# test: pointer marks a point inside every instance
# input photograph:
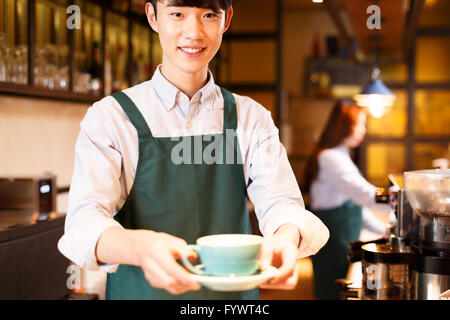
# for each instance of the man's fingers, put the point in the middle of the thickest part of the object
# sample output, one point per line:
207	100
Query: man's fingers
160	266
159	278
288	263
177	271
265	256
289	284
156	276
180	247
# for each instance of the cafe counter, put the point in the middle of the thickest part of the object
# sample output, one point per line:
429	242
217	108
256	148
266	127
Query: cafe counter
31	267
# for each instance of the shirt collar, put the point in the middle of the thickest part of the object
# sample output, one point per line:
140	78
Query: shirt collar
168	92
343	148
208	92
165	90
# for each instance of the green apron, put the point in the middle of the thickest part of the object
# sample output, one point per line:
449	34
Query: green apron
330	263
186	200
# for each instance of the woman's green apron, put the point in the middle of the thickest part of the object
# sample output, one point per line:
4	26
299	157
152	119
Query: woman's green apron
330	263
187	200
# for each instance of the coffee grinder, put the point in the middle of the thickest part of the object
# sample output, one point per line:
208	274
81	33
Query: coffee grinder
413	262
429	194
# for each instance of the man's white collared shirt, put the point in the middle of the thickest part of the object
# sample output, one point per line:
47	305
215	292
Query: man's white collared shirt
106	155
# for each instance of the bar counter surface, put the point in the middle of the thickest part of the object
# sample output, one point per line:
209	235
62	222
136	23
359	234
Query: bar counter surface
31	267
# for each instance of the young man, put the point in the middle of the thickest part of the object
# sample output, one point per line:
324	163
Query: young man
133	209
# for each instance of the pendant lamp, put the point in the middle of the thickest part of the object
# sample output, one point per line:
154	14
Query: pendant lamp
375	96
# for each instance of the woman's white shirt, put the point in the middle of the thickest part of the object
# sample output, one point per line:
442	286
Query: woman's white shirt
338	181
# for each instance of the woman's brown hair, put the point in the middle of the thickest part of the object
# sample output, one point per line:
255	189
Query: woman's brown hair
339	126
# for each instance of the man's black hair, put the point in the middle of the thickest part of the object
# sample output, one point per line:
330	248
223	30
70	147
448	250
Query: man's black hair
214	5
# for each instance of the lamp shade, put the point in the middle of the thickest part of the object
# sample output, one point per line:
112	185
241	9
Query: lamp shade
375	96
377	87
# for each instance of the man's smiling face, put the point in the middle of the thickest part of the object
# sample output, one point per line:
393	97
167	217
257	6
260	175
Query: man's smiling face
190	36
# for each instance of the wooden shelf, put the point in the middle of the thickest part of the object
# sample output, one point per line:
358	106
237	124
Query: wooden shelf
45	93
30	90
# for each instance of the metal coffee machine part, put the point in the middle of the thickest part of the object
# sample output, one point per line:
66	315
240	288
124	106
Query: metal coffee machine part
387	273
387	268
406	228
386	262
429	194
414	261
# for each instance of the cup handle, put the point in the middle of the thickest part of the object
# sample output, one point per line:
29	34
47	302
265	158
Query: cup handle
194	269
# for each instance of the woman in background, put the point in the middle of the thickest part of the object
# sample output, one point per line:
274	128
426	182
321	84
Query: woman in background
339	194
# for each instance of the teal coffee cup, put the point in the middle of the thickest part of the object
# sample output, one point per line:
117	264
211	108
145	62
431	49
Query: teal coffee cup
226	255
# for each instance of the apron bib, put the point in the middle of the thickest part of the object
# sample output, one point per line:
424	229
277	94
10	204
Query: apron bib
330	263
187	200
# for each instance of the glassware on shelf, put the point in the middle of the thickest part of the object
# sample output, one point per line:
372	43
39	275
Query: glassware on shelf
140	42
88	55
85	81
4	54
51	55
95	85
116	43
51	70
40	78
81	81
16	68
62	73
13	62
62	78
120	76
108	74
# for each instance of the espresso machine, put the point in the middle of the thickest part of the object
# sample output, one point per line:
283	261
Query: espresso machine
413	262
26	199
31	266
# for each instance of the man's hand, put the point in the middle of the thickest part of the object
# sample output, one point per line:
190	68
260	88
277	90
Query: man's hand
280	251
158	254
155	252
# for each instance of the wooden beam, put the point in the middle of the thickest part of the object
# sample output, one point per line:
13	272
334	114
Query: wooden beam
440	31
251	86
333	10
411	26
103	48
250	36
31	40
130	45
71	43
279	69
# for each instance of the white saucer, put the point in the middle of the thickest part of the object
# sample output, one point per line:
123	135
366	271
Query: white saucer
238	283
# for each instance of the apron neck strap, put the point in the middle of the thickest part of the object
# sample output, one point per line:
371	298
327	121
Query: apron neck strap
229	110
136	118
133	113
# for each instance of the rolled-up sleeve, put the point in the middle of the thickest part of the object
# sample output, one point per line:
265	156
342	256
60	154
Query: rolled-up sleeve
275	193
94	193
